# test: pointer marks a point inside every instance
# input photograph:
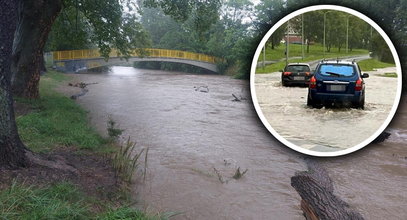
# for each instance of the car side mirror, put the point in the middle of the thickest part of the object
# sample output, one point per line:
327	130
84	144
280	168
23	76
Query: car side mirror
365	75
281	70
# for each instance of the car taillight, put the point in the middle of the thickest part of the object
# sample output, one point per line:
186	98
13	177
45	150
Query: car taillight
287	73
359	85
313	83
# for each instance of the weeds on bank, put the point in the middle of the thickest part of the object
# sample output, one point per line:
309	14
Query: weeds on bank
126	161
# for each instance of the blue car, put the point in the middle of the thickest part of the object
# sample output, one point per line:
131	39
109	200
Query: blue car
337	83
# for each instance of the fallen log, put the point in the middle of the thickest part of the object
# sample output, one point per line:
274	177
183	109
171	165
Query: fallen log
382	137
318	200
83	92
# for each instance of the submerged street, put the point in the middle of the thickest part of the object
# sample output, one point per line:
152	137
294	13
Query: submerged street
286	110
191	130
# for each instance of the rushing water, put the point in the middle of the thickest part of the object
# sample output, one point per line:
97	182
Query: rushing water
190	130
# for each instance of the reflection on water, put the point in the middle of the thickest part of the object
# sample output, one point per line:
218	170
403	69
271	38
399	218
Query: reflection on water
190	133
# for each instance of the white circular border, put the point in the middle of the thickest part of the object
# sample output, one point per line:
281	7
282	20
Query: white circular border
340	152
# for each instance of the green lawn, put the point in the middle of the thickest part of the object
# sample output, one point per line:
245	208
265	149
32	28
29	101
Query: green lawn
59	201
392	75
56	120
371	64
315	53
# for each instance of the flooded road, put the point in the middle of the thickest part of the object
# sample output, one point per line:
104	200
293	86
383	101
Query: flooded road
324	129
191	131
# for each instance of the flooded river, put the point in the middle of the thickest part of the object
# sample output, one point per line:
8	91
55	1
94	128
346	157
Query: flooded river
190	130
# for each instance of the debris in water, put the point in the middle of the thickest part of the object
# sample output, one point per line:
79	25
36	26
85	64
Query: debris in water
238	99
382	137
220	177
239	174
202	88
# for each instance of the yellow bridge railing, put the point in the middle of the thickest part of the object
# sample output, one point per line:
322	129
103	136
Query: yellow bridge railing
94	53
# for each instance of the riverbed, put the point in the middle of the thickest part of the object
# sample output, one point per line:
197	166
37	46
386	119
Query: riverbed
192	126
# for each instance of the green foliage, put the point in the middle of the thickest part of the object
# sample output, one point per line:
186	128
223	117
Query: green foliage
56	121
60	201
124	213
380	50
85	24
315	53
112	129
201	13
371	64
167	66
70	31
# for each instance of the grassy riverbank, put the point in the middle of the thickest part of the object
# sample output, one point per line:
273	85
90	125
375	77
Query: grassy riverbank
57	127
315	53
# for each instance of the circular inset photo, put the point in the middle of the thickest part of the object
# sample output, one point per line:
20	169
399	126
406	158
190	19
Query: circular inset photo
326	80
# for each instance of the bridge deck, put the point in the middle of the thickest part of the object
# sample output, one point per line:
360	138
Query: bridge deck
161	53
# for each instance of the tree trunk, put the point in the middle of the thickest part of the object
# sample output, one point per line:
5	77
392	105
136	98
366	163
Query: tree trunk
318	200
35	18
12	150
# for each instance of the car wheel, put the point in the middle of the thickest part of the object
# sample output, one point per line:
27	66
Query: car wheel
317	106
362	103
283	83
310	103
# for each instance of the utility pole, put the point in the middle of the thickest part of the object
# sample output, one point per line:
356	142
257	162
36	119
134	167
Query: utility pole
302	35
264	55
347	33
287	39
324	30
371	38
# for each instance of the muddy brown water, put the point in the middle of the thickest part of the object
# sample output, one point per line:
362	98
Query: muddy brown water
190	132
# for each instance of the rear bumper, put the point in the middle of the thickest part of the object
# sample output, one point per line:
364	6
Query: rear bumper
289	80
336	97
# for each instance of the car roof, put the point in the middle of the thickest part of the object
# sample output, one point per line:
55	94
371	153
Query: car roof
298	64
338	62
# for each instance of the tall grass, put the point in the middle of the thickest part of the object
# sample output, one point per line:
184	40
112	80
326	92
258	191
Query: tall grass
126	161
60	201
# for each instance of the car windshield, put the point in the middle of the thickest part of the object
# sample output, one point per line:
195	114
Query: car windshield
297	68
336	70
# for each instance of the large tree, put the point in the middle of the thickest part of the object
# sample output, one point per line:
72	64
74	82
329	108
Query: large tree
12	150
35	18
110	27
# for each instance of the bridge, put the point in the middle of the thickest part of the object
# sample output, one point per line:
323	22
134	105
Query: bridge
79	60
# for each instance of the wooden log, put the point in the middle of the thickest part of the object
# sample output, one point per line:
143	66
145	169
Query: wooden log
382	137
318	200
